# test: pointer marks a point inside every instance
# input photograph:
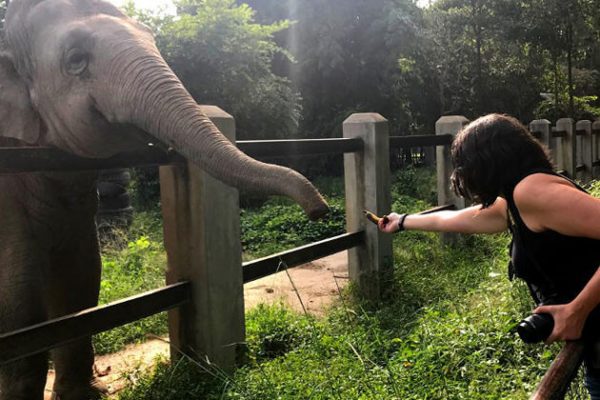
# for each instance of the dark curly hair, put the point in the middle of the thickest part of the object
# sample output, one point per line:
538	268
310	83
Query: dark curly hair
491	155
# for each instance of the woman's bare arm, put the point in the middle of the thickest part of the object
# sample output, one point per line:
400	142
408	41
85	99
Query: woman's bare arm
469	220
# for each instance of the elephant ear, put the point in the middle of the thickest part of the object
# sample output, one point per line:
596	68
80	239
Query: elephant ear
18	119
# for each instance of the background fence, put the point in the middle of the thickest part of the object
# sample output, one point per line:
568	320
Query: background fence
205	275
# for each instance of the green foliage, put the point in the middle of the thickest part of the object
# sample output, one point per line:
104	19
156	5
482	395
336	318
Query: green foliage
272	331
594	188
584	108
135	269
276	226
145	188
445	329
224	58
185	380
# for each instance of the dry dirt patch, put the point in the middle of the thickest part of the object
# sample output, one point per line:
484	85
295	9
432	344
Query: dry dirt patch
316	288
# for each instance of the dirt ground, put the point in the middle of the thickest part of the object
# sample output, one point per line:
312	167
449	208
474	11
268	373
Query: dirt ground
316	287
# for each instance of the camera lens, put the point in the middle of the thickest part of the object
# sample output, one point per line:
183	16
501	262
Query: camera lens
535	328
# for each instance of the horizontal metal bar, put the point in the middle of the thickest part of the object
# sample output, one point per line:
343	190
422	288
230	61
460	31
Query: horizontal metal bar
558	134
286	148
266	266
54	333
558	377
420	141
580	167
536	134
32	159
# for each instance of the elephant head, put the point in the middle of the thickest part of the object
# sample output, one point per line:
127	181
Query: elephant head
82	76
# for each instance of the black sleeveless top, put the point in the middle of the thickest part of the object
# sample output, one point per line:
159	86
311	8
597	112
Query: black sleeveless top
556	267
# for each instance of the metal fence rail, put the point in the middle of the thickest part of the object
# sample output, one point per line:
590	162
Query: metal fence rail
266	266
56	332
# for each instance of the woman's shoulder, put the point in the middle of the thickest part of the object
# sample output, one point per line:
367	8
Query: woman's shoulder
540	187
552	202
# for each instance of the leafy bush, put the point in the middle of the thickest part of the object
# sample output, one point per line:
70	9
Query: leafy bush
135	269
278	225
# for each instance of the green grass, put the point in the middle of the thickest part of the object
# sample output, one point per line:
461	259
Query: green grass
136	268
444	329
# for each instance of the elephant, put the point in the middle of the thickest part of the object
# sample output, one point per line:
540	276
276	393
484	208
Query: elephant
81	76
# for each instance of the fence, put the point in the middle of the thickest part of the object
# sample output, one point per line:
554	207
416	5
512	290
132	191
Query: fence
205	275
575	145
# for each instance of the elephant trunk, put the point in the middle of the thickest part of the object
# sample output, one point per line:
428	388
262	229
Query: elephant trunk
156	101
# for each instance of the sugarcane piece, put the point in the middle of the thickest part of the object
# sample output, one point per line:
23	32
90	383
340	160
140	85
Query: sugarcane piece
374	218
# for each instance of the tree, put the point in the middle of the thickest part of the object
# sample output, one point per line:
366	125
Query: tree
224	58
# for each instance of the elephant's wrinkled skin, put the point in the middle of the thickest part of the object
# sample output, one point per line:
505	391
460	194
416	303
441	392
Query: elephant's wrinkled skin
81	76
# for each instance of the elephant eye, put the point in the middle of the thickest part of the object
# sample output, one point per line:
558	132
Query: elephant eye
76	61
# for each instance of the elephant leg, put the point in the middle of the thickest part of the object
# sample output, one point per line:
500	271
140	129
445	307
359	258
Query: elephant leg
75	284
21	305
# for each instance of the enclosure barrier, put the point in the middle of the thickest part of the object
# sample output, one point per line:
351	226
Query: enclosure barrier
201	223
205	282
575	146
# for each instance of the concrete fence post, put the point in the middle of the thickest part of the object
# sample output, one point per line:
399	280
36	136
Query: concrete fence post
451	124
542	127
202	239
596	147
586	150
367	180
569	146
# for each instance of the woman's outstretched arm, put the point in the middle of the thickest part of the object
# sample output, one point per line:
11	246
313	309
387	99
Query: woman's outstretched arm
469	220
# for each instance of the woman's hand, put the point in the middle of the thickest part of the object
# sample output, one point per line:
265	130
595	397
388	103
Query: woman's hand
568	321
389	223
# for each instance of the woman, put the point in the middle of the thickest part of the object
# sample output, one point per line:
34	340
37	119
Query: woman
555	225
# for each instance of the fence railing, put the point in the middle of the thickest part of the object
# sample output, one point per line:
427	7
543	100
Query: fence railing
205	275
205	284
575	146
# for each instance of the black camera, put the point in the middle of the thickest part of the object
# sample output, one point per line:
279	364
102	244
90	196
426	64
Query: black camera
535	328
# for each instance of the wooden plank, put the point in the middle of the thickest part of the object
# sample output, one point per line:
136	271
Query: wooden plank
421	140
32	159
54	333
557	379
275	148
266	266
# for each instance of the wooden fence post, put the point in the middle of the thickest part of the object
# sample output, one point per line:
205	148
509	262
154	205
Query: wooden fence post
451	124
542	128
202	239
585	150
367	180
569	146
